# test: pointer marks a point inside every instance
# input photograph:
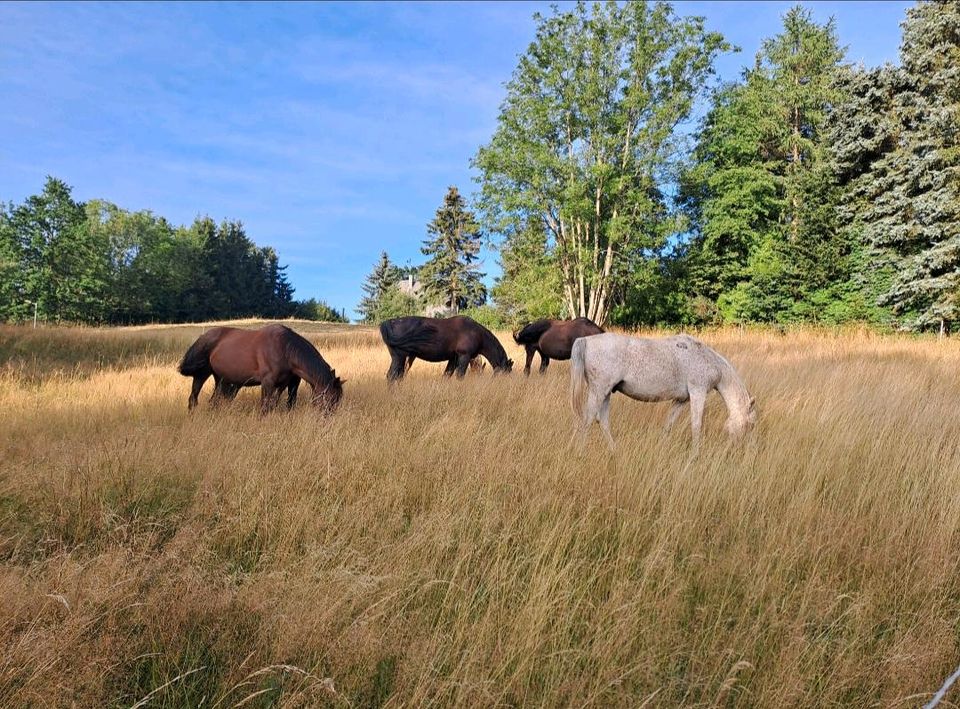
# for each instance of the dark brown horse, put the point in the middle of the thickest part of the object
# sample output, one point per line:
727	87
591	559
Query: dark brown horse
274	358
553	339
455	340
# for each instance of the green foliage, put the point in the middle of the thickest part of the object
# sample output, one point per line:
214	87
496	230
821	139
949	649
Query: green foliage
529	287
910	193
490	317
312	309
760	193
586	128
395	303
97	263
61	267
451	274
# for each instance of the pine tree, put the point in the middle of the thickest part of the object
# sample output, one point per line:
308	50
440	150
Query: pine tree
451	272
861	132
914	189
382	278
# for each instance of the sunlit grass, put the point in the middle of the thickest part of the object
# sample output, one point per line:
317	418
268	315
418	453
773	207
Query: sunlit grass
437	542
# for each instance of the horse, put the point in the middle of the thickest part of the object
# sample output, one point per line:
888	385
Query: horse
553	339
273	357
456	341
680	369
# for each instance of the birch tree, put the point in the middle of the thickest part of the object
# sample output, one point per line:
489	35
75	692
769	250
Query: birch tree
586	133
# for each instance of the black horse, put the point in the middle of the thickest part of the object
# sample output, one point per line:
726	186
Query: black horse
553	339
455	340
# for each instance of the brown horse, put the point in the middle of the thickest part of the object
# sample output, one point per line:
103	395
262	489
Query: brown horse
553	339
274	357
455	340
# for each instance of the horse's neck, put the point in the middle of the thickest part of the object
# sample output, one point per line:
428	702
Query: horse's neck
733	390
493	350
312	373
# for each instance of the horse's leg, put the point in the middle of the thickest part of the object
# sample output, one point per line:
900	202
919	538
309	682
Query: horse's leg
451	366
530	350
410	359
590	413
544	363
698	400
604	418
292	392
221	391
463	361
198	382
269	393
674	414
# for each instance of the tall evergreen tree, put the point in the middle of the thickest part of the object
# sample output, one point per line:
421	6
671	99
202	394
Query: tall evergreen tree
451	273
761	193
63	270
861	131
381	279
914	207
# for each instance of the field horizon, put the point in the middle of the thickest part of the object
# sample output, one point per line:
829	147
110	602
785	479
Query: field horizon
437	542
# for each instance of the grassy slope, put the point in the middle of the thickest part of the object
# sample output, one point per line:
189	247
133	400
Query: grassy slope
436	542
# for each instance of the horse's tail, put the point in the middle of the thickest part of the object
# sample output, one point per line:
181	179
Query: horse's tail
579	385
529	334
197	359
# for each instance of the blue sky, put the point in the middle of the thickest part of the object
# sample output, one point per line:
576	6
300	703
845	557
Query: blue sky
330	130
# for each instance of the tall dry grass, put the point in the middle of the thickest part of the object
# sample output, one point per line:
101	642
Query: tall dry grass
437	543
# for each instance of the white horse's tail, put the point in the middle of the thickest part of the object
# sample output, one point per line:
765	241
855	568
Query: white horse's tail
579	386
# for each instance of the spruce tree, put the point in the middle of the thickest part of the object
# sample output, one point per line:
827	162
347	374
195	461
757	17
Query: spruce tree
382	278
914	189
451	273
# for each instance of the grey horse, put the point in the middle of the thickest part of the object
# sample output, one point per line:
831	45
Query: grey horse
680	369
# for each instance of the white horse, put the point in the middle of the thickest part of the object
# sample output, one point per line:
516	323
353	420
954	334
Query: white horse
680	369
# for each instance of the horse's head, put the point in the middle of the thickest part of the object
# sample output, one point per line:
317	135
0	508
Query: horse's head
738	426
328	397
506	367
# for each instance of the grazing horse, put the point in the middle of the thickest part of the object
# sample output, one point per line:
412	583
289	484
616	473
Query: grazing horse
553	339
274	357
455	340
680	369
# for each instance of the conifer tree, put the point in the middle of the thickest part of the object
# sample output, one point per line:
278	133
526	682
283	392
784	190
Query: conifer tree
382	278
761	195
914	189
451	273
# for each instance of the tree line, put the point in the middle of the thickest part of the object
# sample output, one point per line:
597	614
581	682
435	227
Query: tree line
813	190
96	263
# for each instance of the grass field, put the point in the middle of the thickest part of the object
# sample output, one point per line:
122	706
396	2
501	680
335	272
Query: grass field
437	543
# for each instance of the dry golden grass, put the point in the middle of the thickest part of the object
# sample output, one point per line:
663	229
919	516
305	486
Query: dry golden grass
436	542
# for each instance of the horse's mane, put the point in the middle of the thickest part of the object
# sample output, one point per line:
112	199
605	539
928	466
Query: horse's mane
302	352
